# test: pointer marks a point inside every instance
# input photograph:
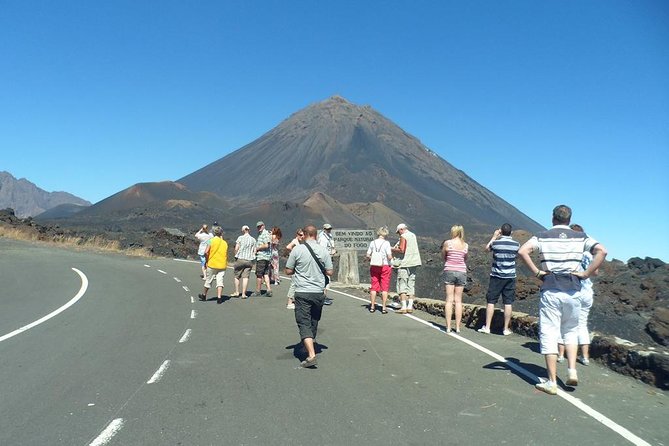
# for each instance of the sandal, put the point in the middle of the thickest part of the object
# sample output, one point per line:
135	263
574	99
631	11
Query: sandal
372	309
384	311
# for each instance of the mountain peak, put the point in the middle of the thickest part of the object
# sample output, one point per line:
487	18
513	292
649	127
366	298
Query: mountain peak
352	154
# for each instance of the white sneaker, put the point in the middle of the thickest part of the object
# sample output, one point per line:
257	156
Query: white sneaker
584	361
560	359
484	329
572	377
290	307
548	387
507	332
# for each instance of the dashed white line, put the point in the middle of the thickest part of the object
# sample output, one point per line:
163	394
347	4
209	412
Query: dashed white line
159	373
74	300
626	434
192	300
185	337
148	266
161	271
185	288
193	314
176	279
107	434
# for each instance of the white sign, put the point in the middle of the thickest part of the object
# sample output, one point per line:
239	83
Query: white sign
353	239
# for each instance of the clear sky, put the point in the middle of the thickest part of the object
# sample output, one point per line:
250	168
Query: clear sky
542	102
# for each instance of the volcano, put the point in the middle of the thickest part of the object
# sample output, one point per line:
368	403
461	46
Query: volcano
348	162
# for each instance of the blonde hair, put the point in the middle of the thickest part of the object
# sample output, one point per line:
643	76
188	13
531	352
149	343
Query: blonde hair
457	231
382	231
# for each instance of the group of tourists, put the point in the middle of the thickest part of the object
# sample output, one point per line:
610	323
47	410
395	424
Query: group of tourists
263	250
569	257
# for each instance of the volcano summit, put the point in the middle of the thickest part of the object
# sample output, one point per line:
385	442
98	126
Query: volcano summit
335	154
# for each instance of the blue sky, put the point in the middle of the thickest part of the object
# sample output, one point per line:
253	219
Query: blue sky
571	96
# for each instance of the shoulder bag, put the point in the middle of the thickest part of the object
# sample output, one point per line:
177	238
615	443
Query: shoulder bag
318	262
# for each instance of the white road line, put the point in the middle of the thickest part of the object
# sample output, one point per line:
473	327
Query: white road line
193	314
185	337
148	266
626	434
74	300
161	271
192	300
159	373
107	434
176	279
185	288
186	260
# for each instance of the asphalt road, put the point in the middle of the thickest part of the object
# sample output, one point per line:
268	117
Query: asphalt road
138	360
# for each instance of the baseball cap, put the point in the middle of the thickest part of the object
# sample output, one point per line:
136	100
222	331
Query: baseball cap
260	223
400	226
327	226
245	228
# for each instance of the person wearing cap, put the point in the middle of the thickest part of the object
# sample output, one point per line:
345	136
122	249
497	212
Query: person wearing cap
326	241
217	262
245	253
263	258
407	249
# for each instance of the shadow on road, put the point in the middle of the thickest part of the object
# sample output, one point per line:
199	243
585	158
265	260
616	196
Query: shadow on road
300	353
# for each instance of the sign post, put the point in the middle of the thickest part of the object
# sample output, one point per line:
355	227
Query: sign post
348	242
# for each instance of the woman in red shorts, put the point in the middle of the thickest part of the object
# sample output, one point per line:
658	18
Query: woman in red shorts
379	255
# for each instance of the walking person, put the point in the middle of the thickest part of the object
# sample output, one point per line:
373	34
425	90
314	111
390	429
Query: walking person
274	245
217	262
502	277
561	249
379	254
326	240
586	299
407	250
245	252
310	266
454	252
263	257
299	237
203	236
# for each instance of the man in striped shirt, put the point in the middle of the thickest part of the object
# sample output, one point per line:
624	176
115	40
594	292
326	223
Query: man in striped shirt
502	276
245	253
561	250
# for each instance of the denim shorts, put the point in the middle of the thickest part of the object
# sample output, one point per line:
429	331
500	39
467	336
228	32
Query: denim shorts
457	278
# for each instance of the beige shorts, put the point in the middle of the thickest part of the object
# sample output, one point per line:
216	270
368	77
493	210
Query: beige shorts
214	273
406	280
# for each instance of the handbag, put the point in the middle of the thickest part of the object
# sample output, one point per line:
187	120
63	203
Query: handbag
396	262
377	256
320	265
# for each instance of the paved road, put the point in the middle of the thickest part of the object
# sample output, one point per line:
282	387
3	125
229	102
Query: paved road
137	361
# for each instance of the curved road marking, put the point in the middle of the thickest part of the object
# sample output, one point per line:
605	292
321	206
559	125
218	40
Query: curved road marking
74	300
626	434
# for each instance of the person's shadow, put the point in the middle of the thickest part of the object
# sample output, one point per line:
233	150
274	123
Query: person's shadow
301	354
223	298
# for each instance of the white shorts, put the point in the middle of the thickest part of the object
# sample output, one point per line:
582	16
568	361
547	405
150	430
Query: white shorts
214	273
558	319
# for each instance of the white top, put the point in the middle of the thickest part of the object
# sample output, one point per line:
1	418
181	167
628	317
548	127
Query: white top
382	246
203	238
